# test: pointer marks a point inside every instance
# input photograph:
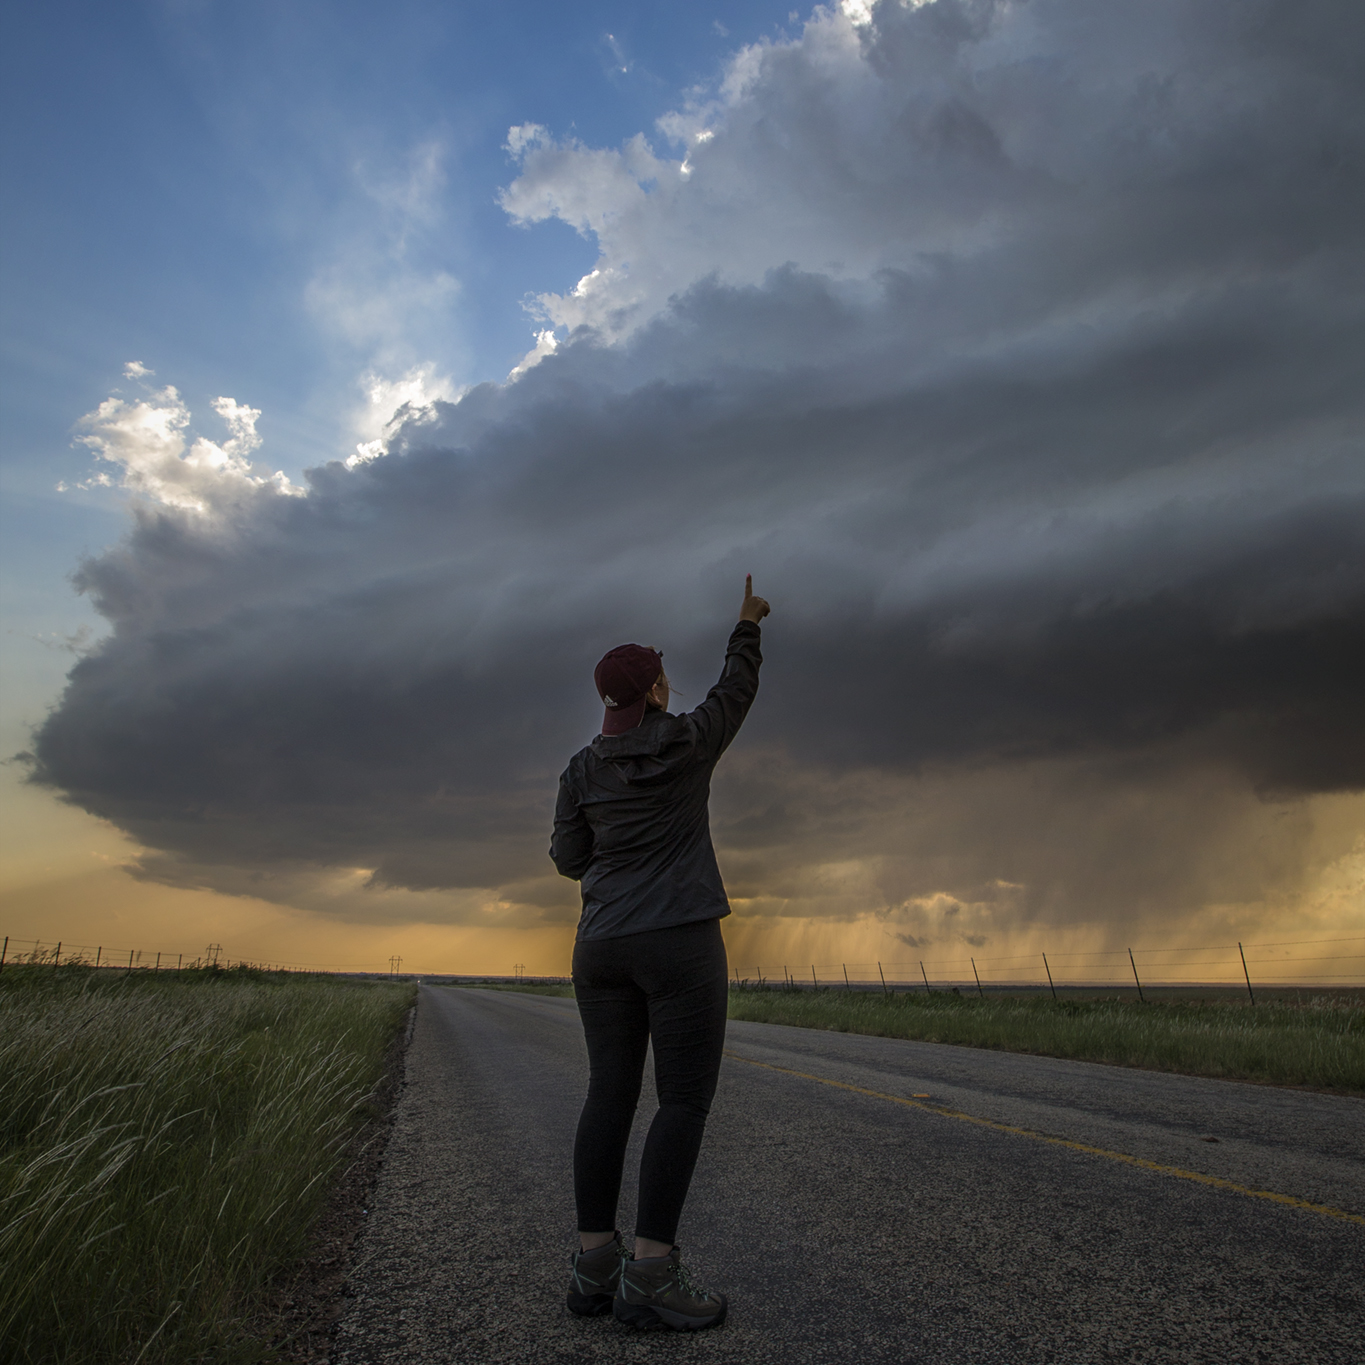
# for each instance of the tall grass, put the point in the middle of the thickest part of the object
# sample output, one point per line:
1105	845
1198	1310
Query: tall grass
164	1144
1319	1043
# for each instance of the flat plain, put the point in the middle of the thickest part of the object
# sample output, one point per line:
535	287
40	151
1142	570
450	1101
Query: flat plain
874	1199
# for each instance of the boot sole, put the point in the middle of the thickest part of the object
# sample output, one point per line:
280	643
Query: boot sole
589	1305
647	1319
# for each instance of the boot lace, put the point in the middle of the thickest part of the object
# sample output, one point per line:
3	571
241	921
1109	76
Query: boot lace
688	1284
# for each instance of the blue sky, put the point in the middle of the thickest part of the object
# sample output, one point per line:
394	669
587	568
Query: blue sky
178	173
1014	347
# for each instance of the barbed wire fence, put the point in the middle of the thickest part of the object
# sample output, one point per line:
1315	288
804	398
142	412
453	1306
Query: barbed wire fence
1242	965
1339	963
60	953
45	953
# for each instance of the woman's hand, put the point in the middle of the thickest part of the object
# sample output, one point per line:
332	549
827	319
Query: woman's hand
754	608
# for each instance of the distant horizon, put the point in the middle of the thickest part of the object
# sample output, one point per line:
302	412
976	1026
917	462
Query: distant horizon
983	972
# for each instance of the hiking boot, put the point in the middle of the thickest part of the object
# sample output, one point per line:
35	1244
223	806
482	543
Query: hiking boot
595	1277
658	1293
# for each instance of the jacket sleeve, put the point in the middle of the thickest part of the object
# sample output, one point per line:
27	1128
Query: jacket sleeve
717	720
571	844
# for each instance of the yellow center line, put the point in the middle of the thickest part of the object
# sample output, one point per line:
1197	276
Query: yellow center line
1180	1174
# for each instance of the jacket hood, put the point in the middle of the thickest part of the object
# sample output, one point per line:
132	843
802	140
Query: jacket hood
644	741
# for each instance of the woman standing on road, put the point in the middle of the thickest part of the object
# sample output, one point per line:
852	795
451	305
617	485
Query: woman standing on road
631	825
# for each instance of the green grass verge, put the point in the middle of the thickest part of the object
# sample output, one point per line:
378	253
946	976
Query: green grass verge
165	1142
1318	1043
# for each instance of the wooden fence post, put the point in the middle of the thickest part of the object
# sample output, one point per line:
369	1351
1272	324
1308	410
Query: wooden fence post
882	974
1141	997
1048	970
977	974
1246	973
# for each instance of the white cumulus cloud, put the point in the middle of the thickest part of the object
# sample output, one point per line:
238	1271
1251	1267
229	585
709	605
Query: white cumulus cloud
147	440
390	402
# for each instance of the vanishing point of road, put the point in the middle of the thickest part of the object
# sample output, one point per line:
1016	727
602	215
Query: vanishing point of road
870	1200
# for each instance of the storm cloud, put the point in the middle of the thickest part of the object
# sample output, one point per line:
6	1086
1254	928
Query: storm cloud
1016	349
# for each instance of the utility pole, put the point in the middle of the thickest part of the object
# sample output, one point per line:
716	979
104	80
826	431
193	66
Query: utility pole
213	950
395	962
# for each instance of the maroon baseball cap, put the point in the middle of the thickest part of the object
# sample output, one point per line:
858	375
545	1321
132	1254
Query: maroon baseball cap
623	677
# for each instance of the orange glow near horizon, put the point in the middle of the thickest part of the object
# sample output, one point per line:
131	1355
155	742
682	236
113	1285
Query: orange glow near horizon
64	879
108	910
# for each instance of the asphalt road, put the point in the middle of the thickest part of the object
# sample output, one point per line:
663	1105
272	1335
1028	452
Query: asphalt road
846	1226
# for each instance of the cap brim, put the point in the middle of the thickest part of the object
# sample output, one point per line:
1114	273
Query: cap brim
619	719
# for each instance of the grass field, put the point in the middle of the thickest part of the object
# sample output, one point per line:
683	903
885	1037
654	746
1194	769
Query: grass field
165	1141
1317	1042
1313	1040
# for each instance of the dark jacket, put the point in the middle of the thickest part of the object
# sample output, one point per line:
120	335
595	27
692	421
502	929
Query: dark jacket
631	821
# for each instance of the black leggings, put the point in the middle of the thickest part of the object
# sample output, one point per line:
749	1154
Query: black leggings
668	985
